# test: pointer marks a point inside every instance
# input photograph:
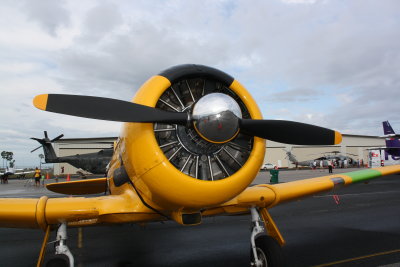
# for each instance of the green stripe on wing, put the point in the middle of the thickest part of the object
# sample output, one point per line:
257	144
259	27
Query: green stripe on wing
363	175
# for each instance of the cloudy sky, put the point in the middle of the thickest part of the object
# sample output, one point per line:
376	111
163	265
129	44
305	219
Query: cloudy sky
331	63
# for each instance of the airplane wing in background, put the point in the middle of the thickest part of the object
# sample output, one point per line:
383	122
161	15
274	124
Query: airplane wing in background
382	148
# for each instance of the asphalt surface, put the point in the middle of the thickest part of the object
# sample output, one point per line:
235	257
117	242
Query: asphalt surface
364	224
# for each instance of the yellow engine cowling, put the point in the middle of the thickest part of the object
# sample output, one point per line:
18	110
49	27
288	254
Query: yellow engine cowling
165	186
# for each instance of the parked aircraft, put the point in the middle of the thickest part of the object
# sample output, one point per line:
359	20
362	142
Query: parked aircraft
95	163
330	157
11	171
392	141
192	142
8	171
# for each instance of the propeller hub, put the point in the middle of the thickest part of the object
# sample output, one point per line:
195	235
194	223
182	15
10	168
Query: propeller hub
216	118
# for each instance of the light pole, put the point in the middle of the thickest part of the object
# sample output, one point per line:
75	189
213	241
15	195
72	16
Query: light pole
41	156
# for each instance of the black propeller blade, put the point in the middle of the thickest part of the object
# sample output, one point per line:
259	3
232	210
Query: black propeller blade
106	109
35	148
290	132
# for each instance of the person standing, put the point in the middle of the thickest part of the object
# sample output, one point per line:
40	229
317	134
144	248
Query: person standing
37	176
42	179
330	167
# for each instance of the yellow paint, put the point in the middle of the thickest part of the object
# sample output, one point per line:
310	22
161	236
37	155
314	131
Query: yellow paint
43	248
40	101
159	182
270	224
388	170
256	195
80	187
302	188
338	138
40	212
19	213
80	237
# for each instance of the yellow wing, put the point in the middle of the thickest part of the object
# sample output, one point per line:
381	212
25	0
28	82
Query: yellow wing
128	207
77	211
266	196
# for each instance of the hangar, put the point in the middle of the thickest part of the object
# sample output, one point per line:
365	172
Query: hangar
353	145
73	146
275	153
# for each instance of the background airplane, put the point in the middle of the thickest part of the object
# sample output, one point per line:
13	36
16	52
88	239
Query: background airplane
8	171
392	141
95	163
201	139
332	156
12	171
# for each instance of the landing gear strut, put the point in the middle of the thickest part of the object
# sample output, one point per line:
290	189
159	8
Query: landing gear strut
63	256
265	250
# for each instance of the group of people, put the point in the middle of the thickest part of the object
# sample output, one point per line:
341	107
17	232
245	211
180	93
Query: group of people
336	164
37	175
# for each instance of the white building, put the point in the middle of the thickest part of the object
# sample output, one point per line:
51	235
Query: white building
275	153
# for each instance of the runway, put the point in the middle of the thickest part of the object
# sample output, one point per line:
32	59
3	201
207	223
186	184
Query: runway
362	227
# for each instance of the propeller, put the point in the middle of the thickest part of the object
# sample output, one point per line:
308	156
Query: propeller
46	140
117	110
106	109
290	132
35	148
57	138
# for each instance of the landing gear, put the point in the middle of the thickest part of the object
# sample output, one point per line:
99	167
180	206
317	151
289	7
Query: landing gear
265	250
63	256
269	253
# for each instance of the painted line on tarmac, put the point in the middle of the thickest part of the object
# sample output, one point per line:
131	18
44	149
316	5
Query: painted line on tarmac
359	258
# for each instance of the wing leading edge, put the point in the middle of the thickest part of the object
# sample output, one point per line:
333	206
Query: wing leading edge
76	211
267	196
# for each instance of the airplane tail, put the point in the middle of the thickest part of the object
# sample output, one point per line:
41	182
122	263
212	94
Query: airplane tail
49	153
291	157
387	128
390	141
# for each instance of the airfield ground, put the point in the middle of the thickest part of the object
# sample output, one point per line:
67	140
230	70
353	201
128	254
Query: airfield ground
363	229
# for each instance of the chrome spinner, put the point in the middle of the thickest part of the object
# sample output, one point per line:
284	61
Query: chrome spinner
216	117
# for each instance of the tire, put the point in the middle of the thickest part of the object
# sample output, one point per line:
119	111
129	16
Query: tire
268	251
60	260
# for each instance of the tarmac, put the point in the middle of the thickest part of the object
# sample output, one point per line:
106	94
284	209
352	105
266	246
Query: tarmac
26	187
361	229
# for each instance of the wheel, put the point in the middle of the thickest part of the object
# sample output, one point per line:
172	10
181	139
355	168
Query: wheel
59	260
268	251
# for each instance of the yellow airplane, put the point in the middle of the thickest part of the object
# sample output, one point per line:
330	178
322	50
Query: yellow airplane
192	142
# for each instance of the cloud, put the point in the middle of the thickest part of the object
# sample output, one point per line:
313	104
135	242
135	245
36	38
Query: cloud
330	63
295	95
51	15
100	21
